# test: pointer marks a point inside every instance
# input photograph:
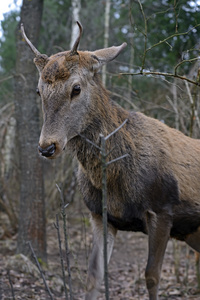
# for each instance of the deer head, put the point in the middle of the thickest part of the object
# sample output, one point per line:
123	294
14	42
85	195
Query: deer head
67	86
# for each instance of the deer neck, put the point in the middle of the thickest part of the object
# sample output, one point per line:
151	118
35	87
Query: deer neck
86	146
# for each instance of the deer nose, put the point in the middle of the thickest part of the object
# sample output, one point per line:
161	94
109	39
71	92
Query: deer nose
47	152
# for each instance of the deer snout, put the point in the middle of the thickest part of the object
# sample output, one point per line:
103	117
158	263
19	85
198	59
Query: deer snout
47	152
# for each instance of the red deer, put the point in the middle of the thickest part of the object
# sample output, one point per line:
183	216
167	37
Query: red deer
155	189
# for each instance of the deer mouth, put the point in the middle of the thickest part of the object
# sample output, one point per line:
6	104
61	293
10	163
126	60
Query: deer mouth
51	151
48	151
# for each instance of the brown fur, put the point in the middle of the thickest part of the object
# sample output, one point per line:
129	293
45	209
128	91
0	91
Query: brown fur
155	189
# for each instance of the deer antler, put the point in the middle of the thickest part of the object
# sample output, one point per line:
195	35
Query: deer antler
76	43
37	53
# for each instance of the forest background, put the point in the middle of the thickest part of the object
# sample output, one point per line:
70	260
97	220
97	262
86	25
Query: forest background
162	57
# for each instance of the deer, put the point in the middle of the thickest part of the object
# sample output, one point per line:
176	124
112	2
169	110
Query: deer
154	189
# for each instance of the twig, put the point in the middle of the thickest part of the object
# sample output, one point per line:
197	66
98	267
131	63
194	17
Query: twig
194	110
117	129
85	242
41	272
11	285
104	213
145	36
1	289
90	142
187	264
146	50
107	154
6	78
176	253
197	264
104	165
2	109
172	36
176	16
182	62
63	213
116	159
124	99
163	74
61	255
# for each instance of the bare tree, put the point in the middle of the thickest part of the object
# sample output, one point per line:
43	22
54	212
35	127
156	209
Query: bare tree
32	207
106	36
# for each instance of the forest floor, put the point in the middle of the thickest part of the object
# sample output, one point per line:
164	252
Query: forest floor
126	268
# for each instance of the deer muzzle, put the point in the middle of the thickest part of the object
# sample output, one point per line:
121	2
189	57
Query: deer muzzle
47	152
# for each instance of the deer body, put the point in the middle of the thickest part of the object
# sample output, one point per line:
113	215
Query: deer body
147	179
155	189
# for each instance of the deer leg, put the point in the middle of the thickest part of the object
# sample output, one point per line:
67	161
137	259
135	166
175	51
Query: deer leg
193	240
158	227
96	261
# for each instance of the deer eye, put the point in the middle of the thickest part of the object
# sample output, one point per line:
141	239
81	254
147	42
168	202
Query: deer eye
37	91
76	90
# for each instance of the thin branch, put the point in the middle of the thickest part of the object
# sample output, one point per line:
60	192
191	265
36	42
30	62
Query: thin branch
145	35
116	159
6	78
117	129
146	50
63	213
197	264
107	154
104	213
158	13
163	74
11	285
2	109
124	99
90	142
104	165
61	255
172	104
184	61
195	113
189	93
1	289
176	16
41	272
171	36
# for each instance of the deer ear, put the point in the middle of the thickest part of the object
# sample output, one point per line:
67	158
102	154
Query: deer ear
40	61
106	55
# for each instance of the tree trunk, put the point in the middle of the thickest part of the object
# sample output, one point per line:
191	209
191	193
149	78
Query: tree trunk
32	206
106	36
76	7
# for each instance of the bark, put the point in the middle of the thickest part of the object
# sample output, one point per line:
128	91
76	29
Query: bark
131	62
106	36
175	100
9	146
32	206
